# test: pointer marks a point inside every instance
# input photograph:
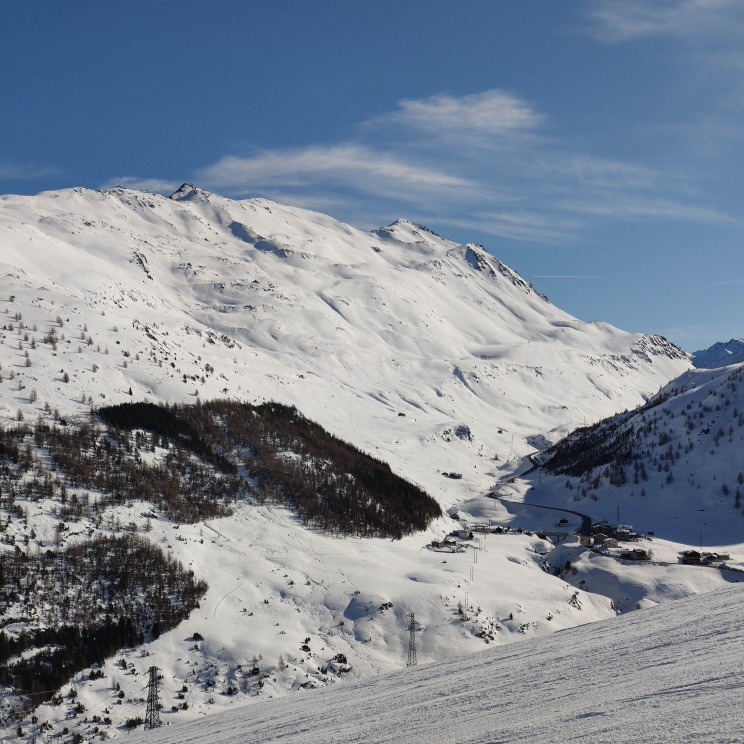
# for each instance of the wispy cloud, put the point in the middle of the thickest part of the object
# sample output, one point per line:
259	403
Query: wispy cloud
707	60
156	185
727	282
595	172
25	172
442	157
544	227
353	165
644	206
492	113
625	20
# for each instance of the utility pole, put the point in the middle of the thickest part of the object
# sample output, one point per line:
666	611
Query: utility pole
411	641
152	716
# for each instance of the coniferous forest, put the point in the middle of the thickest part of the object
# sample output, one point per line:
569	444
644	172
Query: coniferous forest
85	603
81	600
288	459
193	462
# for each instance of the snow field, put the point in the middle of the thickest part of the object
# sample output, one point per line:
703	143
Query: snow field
666	674
201	297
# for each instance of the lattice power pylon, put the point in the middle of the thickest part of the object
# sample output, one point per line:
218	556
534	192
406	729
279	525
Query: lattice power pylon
152	716
411	641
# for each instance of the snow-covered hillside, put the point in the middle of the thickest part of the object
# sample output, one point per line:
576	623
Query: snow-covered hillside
668	674
431	355
673	466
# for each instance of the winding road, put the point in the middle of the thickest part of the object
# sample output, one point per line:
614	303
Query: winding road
586	521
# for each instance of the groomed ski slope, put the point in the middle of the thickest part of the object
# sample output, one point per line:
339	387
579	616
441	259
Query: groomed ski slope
668	674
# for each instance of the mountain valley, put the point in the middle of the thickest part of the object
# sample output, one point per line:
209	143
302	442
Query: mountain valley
158	337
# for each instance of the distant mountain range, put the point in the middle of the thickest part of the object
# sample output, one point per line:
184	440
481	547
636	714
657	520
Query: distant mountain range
720	354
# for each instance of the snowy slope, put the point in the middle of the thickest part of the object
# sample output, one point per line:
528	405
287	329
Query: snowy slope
673	466
669	674
198	295
430	355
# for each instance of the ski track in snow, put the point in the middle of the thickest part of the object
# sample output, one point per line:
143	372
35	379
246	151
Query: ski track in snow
669	674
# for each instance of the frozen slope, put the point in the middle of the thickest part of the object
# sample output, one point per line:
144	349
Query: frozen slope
669	674
431	355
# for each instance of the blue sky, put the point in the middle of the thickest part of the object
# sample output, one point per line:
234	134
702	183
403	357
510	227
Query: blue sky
595	146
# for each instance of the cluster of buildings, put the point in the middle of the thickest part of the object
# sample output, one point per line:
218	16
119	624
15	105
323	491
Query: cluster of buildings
696	558
608	536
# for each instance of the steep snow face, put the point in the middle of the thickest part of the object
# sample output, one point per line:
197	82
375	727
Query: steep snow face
387	339
720	354
661	675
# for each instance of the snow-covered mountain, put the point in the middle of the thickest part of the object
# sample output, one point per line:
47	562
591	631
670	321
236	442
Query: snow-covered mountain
720	354
432	356
672	466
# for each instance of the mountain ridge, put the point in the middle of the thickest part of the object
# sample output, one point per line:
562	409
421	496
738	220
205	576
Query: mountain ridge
287	282
673	462
431	356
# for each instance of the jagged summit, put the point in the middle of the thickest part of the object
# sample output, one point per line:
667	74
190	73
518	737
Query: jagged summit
185	192
405	231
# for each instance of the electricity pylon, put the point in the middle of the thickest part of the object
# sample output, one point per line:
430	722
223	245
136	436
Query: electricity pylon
152	716
411	641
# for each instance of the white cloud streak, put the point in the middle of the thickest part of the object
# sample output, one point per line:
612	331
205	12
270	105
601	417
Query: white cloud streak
626	207
441	156
492	113
727	282
596	173
344	163
616	21
545	227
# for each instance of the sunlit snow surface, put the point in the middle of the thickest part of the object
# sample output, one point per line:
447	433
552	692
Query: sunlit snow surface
354	328
200	297
668	674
